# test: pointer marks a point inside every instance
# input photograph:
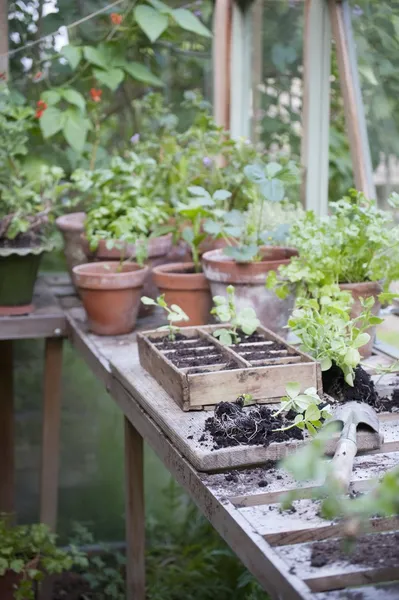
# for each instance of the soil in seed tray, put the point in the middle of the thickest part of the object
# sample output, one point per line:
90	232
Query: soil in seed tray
363	390
232	425
186	362
183	352
254	337
166	344
370	551
275	346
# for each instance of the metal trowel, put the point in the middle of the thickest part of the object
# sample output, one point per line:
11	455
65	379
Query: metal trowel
360	431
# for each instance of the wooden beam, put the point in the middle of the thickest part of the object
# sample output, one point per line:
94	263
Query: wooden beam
51	432
135	513
257	66
240	72
4	39
351	92
221	62
316	106
6	428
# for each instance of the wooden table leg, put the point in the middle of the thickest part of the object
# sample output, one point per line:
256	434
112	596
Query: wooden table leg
135	514
6	428
51	432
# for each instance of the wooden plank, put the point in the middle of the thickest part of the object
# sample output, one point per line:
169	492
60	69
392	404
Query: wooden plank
250	547
303	524
340	573
6	428
221	63
51	432
135	513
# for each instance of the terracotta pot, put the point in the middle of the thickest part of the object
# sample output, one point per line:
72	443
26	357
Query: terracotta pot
364	290
187	289
158	249
9	580
111	298
249	282
72	227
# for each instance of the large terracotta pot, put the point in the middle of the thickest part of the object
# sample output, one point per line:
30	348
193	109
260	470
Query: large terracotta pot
158	249
189	290
364	290
111	297
72	227
249	282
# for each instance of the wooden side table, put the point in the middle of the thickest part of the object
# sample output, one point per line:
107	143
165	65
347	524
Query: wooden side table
48	322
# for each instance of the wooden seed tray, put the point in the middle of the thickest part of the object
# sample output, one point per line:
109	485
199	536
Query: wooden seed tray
227	374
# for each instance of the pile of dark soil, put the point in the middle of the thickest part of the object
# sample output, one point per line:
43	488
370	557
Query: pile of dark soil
71	586
363	390
232	425
166	344
367	551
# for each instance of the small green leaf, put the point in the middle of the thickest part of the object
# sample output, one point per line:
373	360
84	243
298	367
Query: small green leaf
95	57
111	78
75	129
151	21
148	301
326	364
293	389
188	21
73	54
74	97
51	121
161	6
141	73
224	336
221	195
51	97
361	340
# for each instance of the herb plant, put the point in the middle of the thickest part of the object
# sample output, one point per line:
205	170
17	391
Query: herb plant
306	404
357	243
244	320
174	314
328	333
31	552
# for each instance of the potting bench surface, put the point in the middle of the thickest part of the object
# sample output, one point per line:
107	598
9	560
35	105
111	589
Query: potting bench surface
241	505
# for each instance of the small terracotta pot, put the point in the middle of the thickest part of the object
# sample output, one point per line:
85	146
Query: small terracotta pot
364	290
187	289
249	281
110	297
72	227
10	579
157	248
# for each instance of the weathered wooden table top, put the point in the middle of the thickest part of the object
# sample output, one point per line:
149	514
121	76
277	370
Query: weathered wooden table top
242	505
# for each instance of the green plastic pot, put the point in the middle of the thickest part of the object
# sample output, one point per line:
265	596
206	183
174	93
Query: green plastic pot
18	273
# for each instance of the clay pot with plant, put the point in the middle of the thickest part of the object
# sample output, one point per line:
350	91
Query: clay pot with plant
28	553
184	284
249	256
356	247
28	203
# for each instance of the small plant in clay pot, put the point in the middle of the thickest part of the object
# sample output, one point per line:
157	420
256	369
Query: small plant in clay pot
28	204
247	259
27	554
356	247
185	284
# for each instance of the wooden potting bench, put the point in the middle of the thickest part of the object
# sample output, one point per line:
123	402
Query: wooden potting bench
274	546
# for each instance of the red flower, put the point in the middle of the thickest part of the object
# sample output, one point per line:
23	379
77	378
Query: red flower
41	107
3	76
95	94
116	18
38	75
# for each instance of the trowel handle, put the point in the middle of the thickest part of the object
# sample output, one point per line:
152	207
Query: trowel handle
342	463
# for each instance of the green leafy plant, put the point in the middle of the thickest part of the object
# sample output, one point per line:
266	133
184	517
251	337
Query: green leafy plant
358	242
244	320
30	552
328	333
306	404
174	313
200	206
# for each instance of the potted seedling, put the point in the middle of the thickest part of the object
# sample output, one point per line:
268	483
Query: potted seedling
27	554
28	203
184	283
175	315
356	247
246	261
126	213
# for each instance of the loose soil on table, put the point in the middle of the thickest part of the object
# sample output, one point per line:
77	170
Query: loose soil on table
234	425
371	551
363	390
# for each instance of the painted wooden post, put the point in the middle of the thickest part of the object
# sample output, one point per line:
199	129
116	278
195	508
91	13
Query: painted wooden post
257	65
240	72
316	106
4	39
353	104
221	62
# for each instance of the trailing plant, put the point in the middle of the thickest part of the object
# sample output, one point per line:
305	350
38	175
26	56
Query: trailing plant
125	201
244	320
358	242
328	333
306	404
174	313
30	551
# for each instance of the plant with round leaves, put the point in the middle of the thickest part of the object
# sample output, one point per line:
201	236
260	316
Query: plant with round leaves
173	313
244	320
